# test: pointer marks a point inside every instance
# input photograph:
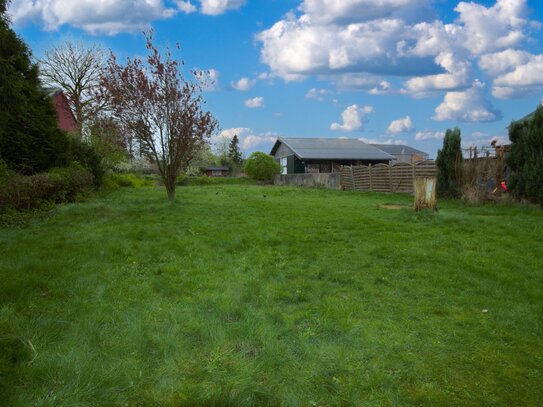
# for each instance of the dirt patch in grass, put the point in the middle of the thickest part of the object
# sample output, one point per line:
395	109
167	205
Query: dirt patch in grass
393	206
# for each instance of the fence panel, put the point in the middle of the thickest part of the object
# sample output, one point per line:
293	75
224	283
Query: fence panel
380	178
397	177
426	169
347	178
361	177
402	178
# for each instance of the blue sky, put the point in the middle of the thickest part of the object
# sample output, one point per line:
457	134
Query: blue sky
387	71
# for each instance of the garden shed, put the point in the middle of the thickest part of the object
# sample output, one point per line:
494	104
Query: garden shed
217	171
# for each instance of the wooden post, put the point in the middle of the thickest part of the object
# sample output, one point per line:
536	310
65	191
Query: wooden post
390	178
369	171
425	193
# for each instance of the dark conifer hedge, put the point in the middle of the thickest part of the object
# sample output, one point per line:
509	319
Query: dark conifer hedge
30	140
449	164
525	158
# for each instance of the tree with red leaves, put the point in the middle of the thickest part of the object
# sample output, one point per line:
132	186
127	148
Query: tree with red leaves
163	111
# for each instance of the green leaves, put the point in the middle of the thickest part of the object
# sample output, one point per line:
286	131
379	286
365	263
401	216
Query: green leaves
449	163
525	159
261	166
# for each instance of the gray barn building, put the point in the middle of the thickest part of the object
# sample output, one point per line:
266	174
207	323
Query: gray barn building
311	155
403	153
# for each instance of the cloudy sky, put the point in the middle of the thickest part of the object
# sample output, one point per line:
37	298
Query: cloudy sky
388	71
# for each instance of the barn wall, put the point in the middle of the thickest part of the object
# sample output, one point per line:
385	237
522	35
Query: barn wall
330	180
66	121
283	151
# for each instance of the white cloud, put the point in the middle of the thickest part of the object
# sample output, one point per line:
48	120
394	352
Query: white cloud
467	106
459	73
243	84
346	11
248	139
186	7
429	135
264	76
383	88
499	140
255	102
317	94
353	118
230	133
516	73
295	48
498	63
252	141
404	125
493	28
357	81
357	43
522	80
109	16
216	7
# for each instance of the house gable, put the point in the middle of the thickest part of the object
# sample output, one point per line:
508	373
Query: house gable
65	117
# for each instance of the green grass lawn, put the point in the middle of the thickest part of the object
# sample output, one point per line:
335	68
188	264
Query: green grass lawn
240	295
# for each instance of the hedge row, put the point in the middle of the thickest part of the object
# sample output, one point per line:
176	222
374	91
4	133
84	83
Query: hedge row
58	185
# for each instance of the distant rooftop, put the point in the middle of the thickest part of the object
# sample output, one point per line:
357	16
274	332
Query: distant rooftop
52	91
331	149
398	149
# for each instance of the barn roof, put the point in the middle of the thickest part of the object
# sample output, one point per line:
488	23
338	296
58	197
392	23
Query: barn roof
331	149
216	169
52	91
396	149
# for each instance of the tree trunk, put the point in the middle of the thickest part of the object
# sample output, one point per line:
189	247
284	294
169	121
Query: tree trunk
171	193
169	181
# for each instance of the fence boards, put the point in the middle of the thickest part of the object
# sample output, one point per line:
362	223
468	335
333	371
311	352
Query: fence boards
397	177
361	179
347	181
402	177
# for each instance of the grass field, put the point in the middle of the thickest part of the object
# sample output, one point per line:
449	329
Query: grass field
265	296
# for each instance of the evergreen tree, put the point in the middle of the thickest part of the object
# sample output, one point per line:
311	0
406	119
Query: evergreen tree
449	164
234	153
30	140
525	159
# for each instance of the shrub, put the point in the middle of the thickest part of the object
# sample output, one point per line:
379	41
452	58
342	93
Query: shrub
261	166
70	182
525	158
184	180
449	164
86	155
28	192
112	181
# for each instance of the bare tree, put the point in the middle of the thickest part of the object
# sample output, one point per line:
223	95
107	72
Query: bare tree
76	69
163	110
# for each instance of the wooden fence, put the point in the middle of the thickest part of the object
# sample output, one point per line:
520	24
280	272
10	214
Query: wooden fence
397	177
